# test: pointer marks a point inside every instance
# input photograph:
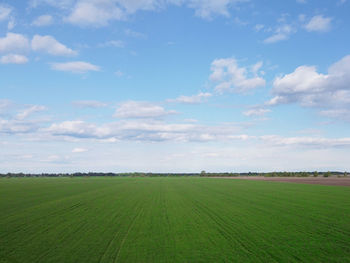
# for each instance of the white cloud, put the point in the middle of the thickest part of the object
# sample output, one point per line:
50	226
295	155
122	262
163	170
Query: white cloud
301	1
230	77
11	24
113	43
309	88
282	32
146	130
133	142
259	27
5	12
319	23
75	67
43	20
89	104
134	34
13	42
5	105
256	112
256	67
303	80
63	4
12	123
119	73
134	6
156	131
30	110
95	13
208	8
301	17
101	12
306	141
13	59
194	99
51	46
343	114
79	150
18	126
77	129
240	22
137	109
276	38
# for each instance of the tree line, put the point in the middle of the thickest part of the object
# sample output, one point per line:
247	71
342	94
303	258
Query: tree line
201	174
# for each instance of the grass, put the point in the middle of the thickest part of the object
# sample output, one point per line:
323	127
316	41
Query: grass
171	220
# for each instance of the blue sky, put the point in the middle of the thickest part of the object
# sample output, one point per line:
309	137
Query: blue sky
174	85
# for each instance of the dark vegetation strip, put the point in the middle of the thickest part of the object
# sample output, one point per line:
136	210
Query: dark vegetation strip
202	174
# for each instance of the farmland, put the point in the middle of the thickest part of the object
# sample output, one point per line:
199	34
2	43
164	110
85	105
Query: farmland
172	220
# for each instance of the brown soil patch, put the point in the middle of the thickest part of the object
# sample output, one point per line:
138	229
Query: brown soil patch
343	181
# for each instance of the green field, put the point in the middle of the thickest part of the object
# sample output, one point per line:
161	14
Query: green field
171	220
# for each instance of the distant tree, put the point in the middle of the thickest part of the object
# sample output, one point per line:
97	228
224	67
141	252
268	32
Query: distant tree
203	173
327	174
304	174
315	174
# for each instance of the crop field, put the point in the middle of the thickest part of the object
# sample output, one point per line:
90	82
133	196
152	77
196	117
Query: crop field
172	220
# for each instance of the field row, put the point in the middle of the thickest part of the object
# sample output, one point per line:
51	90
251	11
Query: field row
171	220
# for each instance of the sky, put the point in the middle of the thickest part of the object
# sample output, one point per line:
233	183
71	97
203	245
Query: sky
174	85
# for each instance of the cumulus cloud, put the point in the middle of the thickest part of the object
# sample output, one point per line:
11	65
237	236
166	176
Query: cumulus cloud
259	27
132	33
113	43
318	142
14	118
228	76
43	20
95	13
62	4
319	23
194	99
50	45
119	73
14	42
30	110
337	113
208	8
145	130
98	13
5	105
139	109
5	12
13	59
256	112
79	150
18	126
75	67
140	130
310	88
11	23
281	33
78	129
156	131
89	104
276	38
304	80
